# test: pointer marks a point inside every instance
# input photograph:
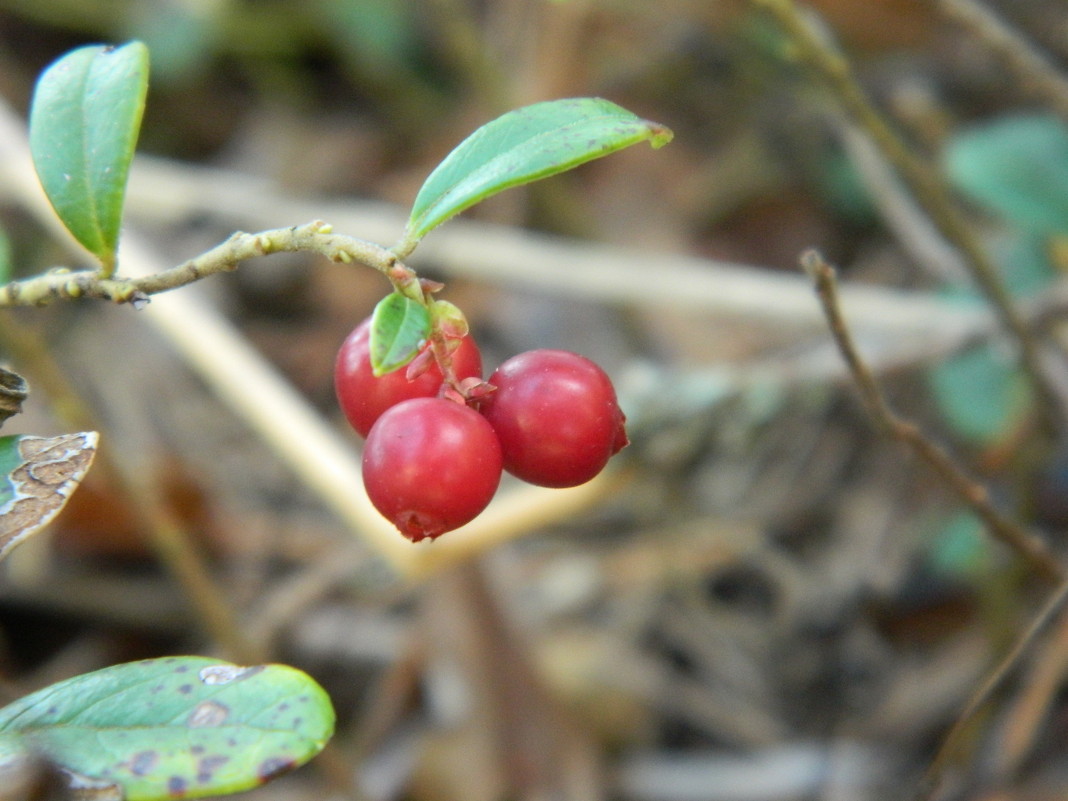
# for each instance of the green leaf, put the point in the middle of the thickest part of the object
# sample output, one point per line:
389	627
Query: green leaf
84	120
177	727
838	180
522	146
1025	265
37	477
1017	168
399	327
980	391
981	394
379	35
959	548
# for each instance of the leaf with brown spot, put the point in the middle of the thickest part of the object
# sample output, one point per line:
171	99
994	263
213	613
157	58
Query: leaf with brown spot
37	477
179	727
13	392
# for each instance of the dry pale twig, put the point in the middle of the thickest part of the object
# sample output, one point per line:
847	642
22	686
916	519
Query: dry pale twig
162	192
1039	687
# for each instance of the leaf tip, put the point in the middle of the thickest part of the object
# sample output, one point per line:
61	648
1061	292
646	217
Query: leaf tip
659	135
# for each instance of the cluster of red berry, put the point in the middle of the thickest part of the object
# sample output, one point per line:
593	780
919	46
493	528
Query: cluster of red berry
432	462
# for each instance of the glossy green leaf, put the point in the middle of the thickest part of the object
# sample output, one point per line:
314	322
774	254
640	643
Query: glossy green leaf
84	120
177	727
399	327
37	477
1017	168
522	146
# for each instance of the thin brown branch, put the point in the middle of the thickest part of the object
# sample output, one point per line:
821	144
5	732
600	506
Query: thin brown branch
1025	721
922	180
1008	531
1035	71
315	237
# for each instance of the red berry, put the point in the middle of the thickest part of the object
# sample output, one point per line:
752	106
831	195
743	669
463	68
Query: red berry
430	465
364	397
557	417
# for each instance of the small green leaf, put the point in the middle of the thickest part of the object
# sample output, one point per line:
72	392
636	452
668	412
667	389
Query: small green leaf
37	477
84	120
981	394
523	146
1017	168
448	319
959	549
399	327
177	727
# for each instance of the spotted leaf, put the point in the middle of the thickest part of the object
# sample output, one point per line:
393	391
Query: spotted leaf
176	727
37	477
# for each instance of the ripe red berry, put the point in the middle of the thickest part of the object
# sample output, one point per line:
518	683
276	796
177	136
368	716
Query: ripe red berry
364	397
430	465
557	417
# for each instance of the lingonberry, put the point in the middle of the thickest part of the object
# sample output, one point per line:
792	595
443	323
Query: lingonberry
430	465
364	397
556	416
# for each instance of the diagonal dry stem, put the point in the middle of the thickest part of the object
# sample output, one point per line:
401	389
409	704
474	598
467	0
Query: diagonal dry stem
974	494
923	181
1036	72
950	742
